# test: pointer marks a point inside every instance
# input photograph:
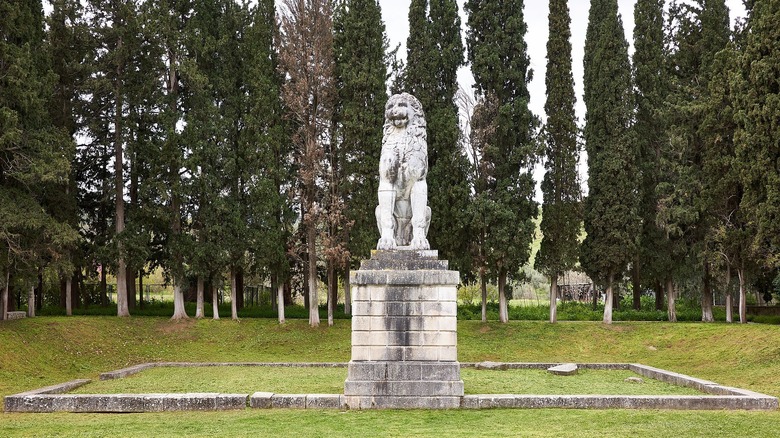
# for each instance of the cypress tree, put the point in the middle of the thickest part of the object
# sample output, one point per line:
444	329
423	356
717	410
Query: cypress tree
698	32
34	155
500	64
561	211
758	151
360	70
434	54
611	219
650	135
273	216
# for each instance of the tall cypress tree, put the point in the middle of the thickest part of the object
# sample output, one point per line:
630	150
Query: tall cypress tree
649	134
273	215
434	54
611	219
359	48
758	151
561	210
698	32
500	64
33	153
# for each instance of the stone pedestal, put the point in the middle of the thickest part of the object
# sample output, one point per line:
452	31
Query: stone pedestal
404	333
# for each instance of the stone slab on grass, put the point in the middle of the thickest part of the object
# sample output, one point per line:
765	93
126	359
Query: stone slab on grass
566	369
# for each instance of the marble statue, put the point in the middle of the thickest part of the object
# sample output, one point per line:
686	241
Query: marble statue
403	215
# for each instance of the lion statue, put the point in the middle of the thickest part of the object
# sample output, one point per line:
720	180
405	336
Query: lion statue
403	215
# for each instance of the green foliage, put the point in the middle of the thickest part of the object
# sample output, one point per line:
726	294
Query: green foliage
361	71
434	54
611	216
503	209
561	208
33	153
650	134
758	153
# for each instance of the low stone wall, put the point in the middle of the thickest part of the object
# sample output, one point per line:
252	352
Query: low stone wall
53	399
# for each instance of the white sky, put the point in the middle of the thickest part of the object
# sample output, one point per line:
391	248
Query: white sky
396	17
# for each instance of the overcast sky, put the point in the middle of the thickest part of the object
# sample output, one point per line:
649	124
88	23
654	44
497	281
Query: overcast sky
396	17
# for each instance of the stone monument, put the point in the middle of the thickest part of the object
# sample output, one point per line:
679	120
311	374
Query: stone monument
404	317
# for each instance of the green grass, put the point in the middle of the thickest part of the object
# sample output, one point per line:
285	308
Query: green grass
313	380
228	380
47	350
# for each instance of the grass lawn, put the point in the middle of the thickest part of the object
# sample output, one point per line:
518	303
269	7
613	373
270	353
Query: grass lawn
313	380
47	350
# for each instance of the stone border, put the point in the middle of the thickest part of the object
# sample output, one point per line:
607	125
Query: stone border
53	399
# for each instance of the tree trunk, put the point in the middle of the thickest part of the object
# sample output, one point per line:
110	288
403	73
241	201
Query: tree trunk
742	296
608	300
671	295
483	290
332	292
314	311
659	296
637	292
239	288
214	301
706	297
233	295
729	302
4	297
179	312
280	302
347	292
306	282
68	296
503	308
554	298
119	196
199	306
31	302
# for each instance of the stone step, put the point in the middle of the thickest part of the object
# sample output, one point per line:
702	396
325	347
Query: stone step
401	371
405	388
403	264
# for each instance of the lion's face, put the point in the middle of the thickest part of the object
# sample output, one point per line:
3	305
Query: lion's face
398	111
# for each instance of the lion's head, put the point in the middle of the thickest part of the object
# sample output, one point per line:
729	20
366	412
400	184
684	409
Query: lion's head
405	111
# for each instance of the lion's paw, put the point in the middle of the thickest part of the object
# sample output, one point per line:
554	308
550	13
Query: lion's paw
420	243
385	243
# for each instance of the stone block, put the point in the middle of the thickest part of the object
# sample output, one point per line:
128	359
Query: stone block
493	366
288	401
497	401
567	369
324	401
261	400
226	402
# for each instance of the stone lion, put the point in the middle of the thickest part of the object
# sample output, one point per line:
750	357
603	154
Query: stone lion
403	215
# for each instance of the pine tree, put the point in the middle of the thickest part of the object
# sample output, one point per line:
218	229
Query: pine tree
434	54
361	72
611	218
561	210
